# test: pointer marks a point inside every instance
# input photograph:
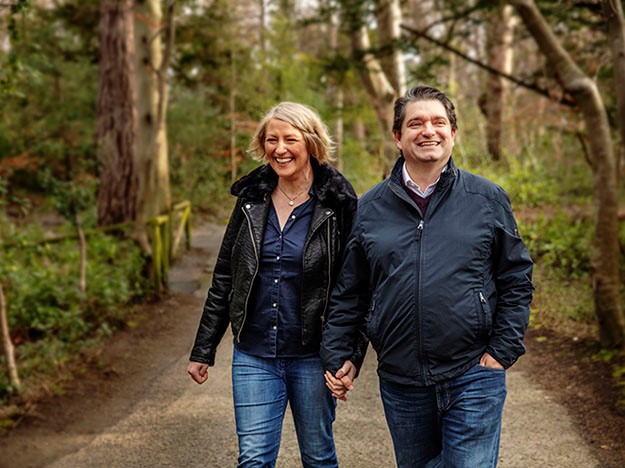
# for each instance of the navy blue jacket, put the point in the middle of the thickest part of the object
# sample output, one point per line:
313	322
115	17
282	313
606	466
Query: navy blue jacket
435	291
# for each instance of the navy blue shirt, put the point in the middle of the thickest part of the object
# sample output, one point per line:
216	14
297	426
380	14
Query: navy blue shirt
273	326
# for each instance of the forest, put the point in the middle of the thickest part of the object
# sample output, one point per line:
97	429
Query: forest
115	112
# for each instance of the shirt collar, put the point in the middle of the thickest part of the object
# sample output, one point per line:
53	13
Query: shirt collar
408	182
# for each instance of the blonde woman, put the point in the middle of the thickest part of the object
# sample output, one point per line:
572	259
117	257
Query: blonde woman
277	265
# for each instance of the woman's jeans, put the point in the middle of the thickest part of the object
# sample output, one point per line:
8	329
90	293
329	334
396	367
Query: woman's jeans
455	424
261	388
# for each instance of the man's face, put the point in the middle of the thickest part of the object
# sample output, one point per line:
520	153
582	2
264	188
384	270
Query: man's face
426	134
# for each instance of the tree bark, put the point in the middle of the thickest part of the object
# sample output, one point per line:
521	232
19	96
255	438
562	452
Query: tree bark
377	84
151	144
613	12
115	121
498	32
336	95
388	14
9	350
606	253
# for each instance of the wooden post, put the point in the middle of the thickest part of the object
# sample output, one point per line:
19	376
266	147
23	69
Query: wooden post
9	350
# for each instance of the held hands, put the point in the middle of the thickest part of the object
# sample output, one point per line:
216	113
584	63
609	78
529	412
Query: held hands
343	381
198	371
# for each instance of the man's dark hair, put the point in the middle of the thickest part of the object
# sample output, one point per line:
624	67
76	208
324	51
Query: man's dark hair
422	93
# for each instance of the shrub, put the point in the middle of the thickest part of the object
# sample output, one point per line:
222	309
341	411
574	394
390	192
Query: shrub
49	317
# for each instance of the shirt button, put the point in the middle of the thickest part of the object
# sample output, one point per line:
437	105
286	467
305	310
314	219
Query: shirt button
293	217
275	281
278	257
274	304
274	327
248	206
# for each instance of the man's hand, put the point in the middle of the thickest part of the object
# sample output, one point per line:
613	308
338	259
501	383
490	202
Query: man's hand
198	371
488	361
343	381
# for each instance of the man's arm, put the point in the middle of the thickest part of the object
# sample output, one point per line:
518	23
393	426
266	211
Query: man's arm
347	311
513	277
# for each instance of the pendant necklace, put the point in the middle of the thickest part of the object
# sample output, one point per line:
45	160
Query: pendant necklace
291	199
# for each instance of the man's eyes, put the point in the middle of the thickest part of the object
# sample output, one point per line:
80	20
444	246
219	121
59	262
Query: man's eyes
419	123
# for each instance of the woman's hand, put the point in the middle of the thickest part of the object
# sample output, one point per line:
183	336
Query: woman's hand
343	381
198	371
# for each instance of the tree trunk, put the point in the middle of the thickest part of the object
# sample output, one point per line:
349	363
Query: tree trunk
115	121
498	32
613	12
376	82
82	266
388	14
233	121
606	252
151	144
9	350
336	95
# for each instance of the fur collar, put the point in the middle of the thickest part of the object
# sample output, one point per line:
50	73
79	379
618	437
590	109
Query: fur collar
331	187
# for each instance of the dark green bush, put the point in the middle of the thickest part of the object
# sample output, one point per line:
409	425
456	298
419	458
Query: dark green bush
49	317
559	243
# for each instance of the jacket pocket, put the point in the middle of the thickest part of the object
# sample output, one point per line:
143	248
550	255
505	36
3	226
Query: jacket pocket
485	316
372	322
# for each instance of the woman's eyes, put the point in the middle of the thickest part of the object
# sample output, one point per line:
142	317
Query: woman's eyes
274	141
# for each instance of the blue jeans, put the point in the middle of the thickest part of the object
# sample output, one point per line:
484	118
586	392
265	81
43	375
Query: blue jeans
456	424
261	389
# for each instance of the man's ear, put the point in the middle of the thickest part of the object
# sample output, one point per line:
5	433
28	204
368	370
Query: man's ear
397	137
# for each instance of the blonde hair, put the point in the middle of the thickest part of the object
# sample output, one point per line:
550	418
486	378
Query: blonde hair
306	119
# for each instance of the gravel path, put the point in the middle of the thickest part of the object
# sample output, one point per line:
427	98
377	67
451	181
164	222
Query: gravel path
150	414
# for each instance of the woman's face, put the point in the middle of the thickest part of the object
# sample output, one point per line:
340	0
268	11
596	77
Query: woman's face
286	150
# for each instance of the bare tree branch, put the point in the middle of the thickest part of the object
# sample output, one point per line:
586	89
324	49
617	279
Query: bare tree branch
531	86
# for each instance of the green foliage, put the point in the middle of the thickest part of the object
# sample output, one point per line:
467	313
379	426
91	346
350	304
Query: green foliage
559	243
70	197
48	315
561	303
51	117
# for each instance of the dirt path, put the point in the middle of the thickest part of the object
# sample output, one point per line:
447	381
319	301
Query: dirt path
138	408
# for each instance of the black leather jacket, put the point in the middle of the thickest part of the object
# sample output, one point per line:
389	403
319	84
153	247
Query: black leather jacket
237	264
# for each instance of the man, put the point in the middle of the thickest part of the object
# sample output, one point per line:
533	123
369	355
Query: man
437	271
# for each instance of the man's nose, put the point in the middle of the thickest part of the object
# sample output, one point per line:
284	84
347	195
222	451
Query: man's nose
428	128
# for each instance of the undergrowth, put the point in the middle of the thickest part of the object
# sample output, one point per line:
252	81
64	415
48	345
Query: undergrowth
51	320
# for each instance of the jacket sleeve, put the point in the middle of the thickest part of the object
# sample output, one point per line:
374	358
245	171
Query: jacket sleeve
215	316
362	340
343	335
513	280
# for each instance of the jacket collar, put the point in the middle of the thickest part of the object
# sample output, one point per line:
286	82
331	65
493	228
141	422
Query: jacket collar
330	187
446	177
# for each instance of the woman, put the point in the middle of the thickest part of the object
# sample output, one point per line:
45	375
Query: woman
277	264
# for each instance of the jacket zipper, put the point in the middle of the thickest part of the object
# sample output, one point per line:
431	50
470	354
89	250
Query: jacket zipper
249	291
422	366
323	315
419	230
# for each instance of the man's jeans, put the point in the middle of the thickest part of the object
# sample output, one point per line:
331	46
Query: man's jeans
455	424
261	388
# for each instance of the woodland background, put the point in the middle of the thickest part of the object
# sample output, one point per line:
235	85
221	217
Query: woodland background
113	111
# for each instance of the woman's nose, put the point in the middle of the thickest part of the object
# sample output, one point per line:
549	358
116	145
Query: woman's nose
280	147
